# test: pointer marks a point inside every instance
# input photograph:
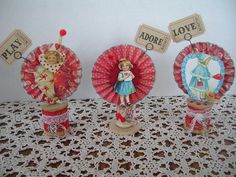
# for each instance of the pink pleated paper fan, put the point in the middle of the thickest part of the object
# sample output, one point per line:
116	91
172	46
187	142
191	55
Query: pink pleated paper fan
105	73
209	49
66	78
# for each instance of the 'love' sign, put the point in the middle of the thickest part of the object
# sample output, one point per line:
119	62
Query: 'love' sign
146	36
192	25
16	42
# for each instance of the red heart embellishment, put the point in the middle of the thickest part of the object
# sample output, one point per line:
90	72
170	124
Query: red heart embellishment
200	83
217	77
120	117
57	46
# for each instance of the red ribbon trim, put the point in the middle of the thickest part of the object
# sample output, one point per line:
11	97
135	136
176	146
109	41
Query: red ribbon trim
120	117
196	109
54	113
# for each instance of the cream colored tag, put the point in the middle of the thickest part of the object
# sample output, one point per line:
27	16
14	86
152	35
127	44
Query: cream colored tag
152	38
186	28
14	46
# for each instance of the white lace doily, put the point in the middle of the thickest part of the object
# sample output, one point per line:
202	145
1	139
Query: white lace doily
161	148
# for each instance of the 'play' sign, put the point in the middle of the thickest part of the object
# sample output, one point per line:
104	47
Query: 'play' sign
16	42
192	25
159	40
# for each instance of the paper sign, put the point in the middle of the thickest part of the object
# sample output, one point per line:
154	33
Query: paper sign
149	36
16	43
187	27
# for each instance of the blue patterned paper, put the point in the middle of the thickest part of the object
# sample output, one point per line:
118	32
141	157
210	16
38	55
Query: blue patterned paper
183	71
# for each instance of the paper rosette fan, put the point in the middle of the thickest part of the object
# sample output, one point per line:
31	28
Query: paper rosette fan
105	72
227	65
64	84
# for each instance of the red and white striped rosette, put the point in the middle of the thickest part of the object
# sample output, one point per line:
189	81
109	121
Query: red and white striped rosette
105	72
198	116
68	75
210	49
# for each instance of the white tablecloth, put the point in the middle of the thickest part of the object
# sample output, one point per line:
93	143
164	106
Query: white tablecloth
161	148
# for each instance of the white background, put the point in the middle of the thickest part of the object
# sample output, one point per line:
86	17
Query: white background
96	25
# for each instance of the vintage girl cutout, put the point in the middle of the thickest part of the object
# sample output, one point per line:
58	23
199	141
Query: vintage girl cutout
124	85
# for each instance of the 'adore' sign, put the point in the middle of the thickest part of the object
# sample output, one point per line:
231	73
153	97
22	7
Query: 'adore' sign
16	42
158	39
192	25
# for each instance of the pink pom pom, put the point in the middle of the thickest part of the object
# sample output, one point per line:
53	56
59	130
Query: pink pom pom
62	32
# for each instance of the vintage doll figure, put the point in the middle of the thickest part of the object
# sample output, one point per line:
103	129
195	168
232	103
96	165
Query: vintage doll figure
45	73
124	85
200	77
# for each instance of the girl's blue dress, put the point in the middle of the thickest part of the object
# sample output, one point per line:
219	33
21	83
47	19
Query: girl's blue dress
200	74
125	87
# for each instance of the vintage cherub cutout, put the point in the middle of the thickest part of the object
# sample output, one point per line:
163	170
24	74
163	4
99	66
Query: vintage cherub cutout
45	73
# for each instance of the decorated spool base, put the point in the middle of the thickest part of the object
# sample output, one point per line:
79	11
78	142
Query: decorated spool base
124	124
55	119
198	117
